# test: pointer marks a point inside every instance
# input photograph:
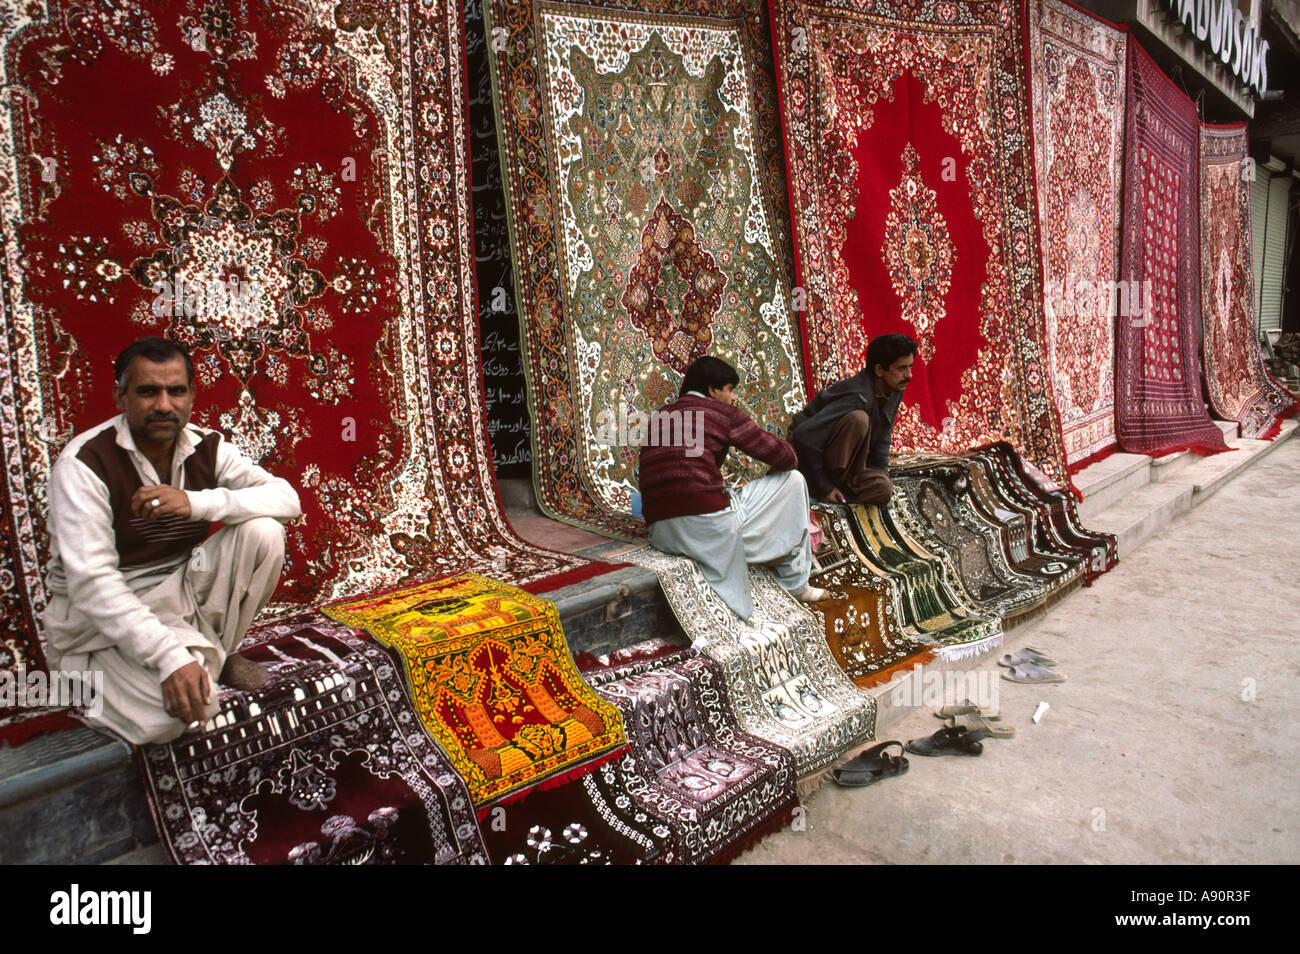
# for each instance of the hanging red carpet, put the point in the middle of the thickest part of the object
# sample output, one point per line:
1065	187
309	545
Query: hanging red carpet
1240	388
287	195
1158	404
492	681
1077	73
324	765
911	180
643	167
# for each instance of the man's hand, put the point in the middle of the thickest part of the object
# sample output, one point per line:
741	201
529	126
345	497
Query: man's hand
835	496
170	501
186	693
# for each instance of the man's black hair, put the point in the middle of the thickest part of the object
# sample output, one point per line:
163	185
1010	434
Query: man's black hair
709	372
157	350
886	349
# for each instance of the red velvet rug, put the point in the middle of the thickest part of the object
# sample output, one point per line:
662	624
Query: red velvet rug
1240	388
287	194
1077	74
1158	404
911	178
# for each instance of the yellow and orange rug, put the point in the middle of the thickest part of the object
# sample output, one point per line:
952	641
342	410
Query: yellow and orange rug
492	679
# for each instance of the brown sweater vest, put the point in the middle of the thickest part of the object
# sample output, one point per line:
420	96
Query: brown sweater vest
141	541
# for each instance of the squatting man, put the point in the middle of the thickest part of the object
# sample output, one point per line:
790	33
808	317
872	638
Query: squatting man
138	589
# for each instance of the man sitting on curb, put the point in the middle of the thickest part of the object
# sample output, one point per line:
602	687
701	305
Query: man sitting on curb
690	513
842	435
136	592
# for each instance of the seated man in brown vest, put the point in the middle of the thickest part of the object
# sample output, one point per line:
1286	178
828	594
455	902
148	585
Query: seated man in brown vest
138	590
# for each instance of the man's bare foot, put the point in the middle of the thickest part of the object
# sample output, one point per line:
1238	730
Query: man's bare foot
243	674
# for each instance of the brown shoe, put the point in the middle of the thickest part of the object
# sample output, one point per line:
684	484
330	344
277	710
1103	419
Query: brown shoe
243	674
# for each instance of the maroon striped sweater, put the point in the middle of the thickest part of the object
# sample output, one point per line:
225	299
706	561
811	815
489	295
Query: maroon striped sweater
682	475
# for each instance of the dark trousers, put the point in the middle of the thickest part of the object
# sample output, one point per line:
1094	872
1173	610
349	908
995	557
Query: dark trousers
845	459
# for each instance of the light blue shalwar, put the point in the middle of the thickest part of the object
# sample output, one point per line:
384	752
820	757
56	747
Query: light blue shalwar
767	523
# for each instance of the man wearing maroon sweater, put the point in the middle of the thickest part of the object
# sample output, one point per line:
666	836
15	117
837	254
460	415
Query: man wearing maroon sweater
692	514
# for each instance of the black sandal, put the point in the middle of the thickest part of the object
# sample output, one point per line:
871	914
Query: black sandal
871	766
951	740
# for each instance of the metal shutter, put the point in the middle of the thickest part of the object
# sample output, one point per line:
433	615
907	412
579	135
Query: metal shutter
1274	247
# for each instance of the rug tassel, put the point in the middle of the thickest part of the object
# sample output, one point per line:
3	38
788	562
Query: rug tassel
968	650
778	822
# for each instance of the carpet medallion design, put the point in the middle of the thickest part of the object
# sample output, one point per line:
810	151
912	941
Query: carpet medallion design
918	252
283	189
646	196
909	155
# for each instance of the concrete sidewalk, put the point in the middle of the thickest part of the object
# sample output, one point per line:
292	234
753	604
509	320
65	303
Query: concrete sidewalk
1174	740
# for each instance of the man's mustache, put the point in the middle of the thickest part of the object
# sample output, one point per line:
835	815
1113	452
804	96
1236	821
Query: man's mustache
152	418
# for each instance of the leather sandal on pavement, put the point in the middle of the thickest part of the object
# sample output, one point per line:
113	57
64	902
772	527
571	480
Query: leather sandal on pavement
973	720
947	712
871	766
949	740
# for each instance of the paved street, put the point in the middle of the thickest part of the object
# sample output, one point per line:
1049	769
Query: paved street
1174	740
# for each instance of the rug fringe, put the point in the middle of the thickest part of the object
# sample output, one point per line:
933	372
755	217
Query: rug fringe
968	650
887	675
809	784
569	577
778	822
19	732
1275	428
1091	459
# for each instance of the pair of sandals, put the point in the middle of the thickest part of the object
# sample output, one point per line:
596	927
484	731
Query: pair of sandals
877	763
1030	665
971	718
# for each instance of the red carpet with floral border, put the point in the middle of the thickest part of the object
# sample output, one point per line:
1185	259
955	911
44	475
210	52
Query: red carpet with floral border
1239	386
911	179
284	189
1077	76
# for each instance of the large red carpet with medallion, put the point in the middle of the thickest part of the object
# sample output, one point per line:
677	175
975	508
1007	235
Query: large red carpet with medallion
911	181
284	189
